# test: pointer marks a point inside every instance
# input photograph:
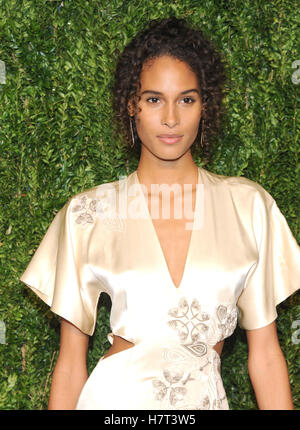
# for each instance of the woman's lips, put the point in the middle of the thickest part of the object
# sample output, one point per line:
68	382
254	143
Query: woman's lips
170	139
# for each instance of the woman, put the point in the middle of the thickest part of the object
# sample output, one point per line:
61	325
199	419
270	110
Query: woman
180	282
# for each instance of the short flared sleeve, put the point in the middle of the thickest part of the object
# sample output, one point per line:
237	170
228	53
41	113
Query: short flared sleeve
276	274
59	273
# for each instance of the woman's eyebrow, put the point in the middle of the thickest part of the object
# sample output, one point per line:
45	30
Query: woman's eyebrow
193	90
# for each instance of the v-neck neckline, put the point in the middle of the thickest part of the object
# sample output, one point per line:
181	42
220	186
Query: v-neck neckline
156	239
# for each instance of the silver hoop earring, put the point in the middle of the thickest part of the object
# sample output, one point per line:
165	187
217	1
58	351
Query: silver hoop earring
132	134
202	134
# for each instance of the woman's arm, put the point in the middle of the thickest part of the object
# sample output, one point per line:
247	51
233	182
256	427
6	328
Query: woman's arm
70	372
268	369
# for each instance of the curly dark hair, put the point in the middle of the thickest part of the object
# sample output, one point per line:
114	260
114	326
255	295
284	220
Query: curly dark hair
171	36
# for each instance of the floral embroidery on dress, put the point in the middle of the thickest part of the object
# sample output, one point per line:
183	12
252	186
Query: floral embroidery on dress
167	387
191	322
87	210
227	320
205	403
198	331
173	390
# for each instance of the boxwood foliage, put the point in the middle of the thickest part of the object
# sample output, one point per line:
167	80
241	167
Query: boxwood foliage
56	139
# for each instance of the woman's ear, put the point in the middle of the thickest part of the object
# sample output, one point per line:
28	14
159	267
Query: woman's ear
203	109
130	108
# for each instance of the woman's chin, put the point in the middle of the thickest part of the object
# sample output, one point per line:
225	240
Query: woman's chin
168	153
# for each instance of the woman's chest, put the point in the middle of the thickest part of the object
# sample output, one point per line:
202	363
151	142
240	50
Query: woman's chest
146	259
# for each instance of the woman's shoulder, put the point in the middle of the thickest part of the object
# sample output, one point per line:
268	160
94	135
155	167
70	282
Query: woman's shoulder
104	189
236	186
84	206
98	191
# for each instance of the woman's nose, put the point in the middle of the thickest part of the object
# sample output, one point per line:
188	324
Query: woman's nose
170	116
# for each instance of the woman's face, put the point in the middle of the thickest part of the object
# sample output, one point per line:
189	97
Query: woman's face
170	105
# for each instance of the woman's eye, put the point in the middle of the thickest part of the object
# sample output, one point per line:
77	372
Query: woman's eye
188	100
152	98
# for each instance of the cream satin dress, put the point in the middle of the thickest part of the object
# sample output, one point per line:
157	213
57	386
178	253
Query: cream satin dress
242	262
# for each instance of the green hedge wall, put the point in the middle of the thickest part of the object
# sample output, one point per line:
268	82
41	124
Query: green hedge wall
56	140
